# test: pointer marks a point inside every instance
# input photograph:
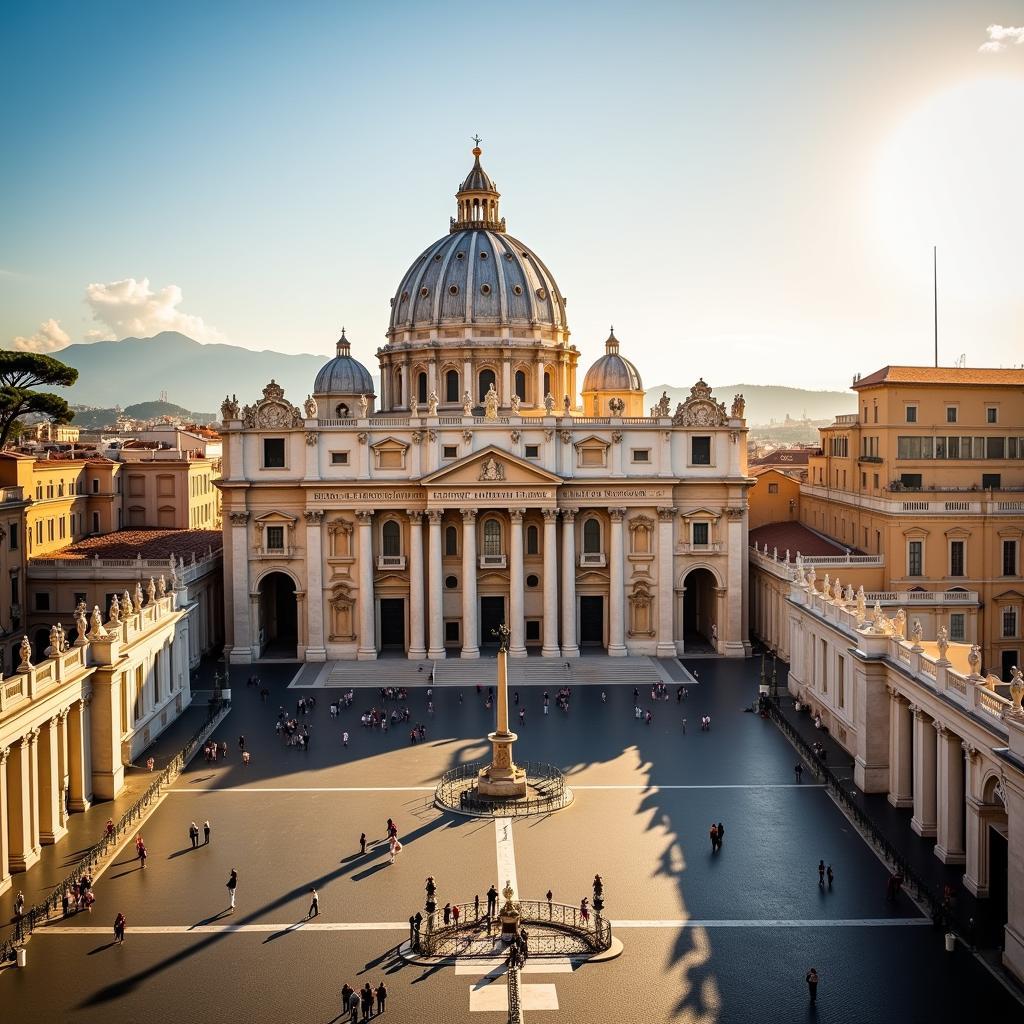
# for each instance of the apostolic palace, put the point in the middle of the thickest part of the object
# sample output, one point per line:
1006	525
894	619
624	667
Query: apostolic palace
483	484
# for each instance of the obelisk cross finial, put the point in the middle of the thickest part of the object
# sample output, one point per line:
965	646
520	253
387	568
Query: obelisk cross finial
476	140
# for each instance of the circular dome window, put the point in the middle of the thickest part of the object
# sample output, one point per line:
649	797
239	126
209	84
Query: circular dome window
485	289
451	582
453	290
517	290
508	256
460	255
405	296
483	255
437	258
541	294
532	581
424	292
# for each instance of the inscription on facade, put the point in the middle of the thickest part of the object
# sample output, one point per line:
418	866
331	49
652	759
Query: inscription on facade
615	492
494	495
383	494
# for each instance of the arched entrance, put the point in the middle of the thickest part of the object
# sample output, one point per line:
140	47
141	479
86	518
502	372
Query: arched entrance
278	629
700	610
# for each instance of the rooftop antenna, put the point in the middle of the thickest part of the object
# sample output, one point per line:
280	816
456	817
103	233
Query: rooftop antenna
935	298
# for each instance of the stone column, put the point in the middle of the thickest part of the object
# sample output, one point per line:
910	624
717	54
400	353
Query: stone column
435	595
315	650
241	639
51	828
734	633
951	806
666	584
367	650
550	648
470	628
22	791
5	844
417	650
79	774
616	605
923	821
517	642
570	645
901	751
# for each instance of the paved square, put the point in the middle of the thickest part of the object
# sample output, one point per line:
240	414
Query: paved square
707	937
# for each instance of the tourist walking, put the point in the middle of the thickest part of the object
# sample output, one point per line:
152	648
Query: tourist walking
344	739
447	913
455	915
206	832
492	901
721	834
821	874
353	1006
798	771
346	991
119	922
395	847
812	985
829	876
232	887
367	1000
193	834
362	842
382	997
713	832
314	904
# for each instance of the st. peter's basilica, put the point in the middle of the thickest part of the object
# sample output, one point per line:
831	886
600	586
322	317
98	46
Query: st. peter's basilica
480	486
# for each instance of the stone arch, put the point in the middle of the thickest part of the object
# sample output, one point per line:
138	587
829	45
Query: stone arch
277	613
698	607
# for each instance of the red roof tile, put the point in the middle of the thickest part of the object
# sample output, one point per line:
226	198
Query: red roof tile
796	537
959	375
144	543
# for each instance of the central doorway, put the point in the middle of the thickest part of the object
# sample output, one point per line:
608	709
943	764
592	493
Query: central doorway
492	615
392	623
279	616
591	620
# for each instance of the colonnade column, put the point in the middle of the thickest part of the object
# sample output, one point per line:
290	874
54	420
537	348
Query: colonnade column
517	645
616	614
79	769
5	845
315	650
367	650
550	648
23	789
51	825
901	751
666	585
950	826
976	864
436	585
417	651
570	646
923	821
241	628
470	628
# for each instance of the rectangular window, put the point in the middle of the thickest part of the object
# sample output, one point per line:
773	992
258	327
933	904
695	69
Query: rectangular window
951	414
451	632
591	456
992	481
824	666
80	599
275	538
12	533
1009	622
841	681
42	600
451	451
273	453
390	459
911	413
995	447
700	449
641	454
533	451
773	488
874	481
957	627
915	557
911	447
700	533
1009	558
533	630
339	458
956	558
991	414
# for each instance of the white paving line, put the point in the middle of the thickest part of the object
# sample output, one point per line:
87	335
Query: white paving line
487	968
638	787
753	785
849	922
209	929
506	855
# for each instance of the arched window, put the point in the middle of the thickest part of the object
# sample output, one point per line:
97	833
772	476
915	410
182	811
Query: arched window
521	385
451	540
391	538
532	541
421	388
487	378
547	384
592	537
397	398
451	386
492	537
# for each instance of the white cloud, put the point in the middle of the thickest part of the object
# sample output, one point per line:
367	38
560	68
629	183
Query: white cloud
50	337
999	35
130	308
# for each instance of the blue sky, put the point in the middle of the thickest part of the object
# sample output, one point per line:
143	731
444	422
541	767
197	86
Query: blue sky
746	190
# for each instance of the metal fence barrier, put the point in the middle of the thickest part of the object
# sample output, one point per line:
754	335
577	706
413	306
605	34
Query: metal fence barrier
40	913
455	791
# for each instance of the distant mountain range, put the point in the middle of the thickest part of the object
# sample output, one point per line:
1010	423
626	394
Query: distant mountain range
92	418
196	377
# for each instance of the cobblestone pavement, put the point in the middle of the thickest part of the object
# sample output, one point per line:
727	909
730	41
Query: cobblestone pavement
707	937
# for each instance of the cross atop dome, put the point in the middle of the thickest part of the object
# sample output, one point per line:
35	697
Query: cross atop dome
477	198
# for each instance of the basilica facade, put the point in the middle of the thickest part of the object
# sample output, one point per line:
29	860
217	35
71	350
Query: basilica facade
483	485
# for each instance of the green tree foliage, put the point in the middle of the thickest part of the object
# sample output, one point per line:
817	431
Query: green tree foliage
20	374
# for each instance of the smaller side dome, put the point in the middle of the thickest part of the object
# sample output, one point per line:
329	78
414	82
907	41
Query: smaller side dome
343	375
612	372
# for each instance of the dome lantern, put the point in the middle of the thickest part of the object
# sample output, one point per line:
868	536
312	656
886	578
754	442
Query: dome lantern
477	199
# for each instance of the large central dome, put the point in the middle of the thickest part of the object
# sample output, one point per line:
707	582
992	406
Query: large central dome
477	274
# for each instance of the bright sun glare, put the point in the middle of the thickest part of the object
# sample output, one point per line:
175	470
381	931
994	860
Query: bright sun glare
950	175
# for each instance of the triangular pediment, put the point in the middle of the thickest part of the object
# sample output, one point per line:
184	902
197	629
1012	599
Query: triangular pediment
275	517
702	513
491	465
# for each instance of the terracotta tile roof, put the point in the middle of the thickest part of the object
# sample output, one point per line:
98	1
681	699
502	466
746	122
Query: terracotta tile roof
940	375
796	537
147	543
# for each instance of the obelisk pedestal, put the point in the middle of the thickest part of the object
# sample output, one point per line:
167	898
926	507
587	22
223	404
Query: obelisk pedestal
502	778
